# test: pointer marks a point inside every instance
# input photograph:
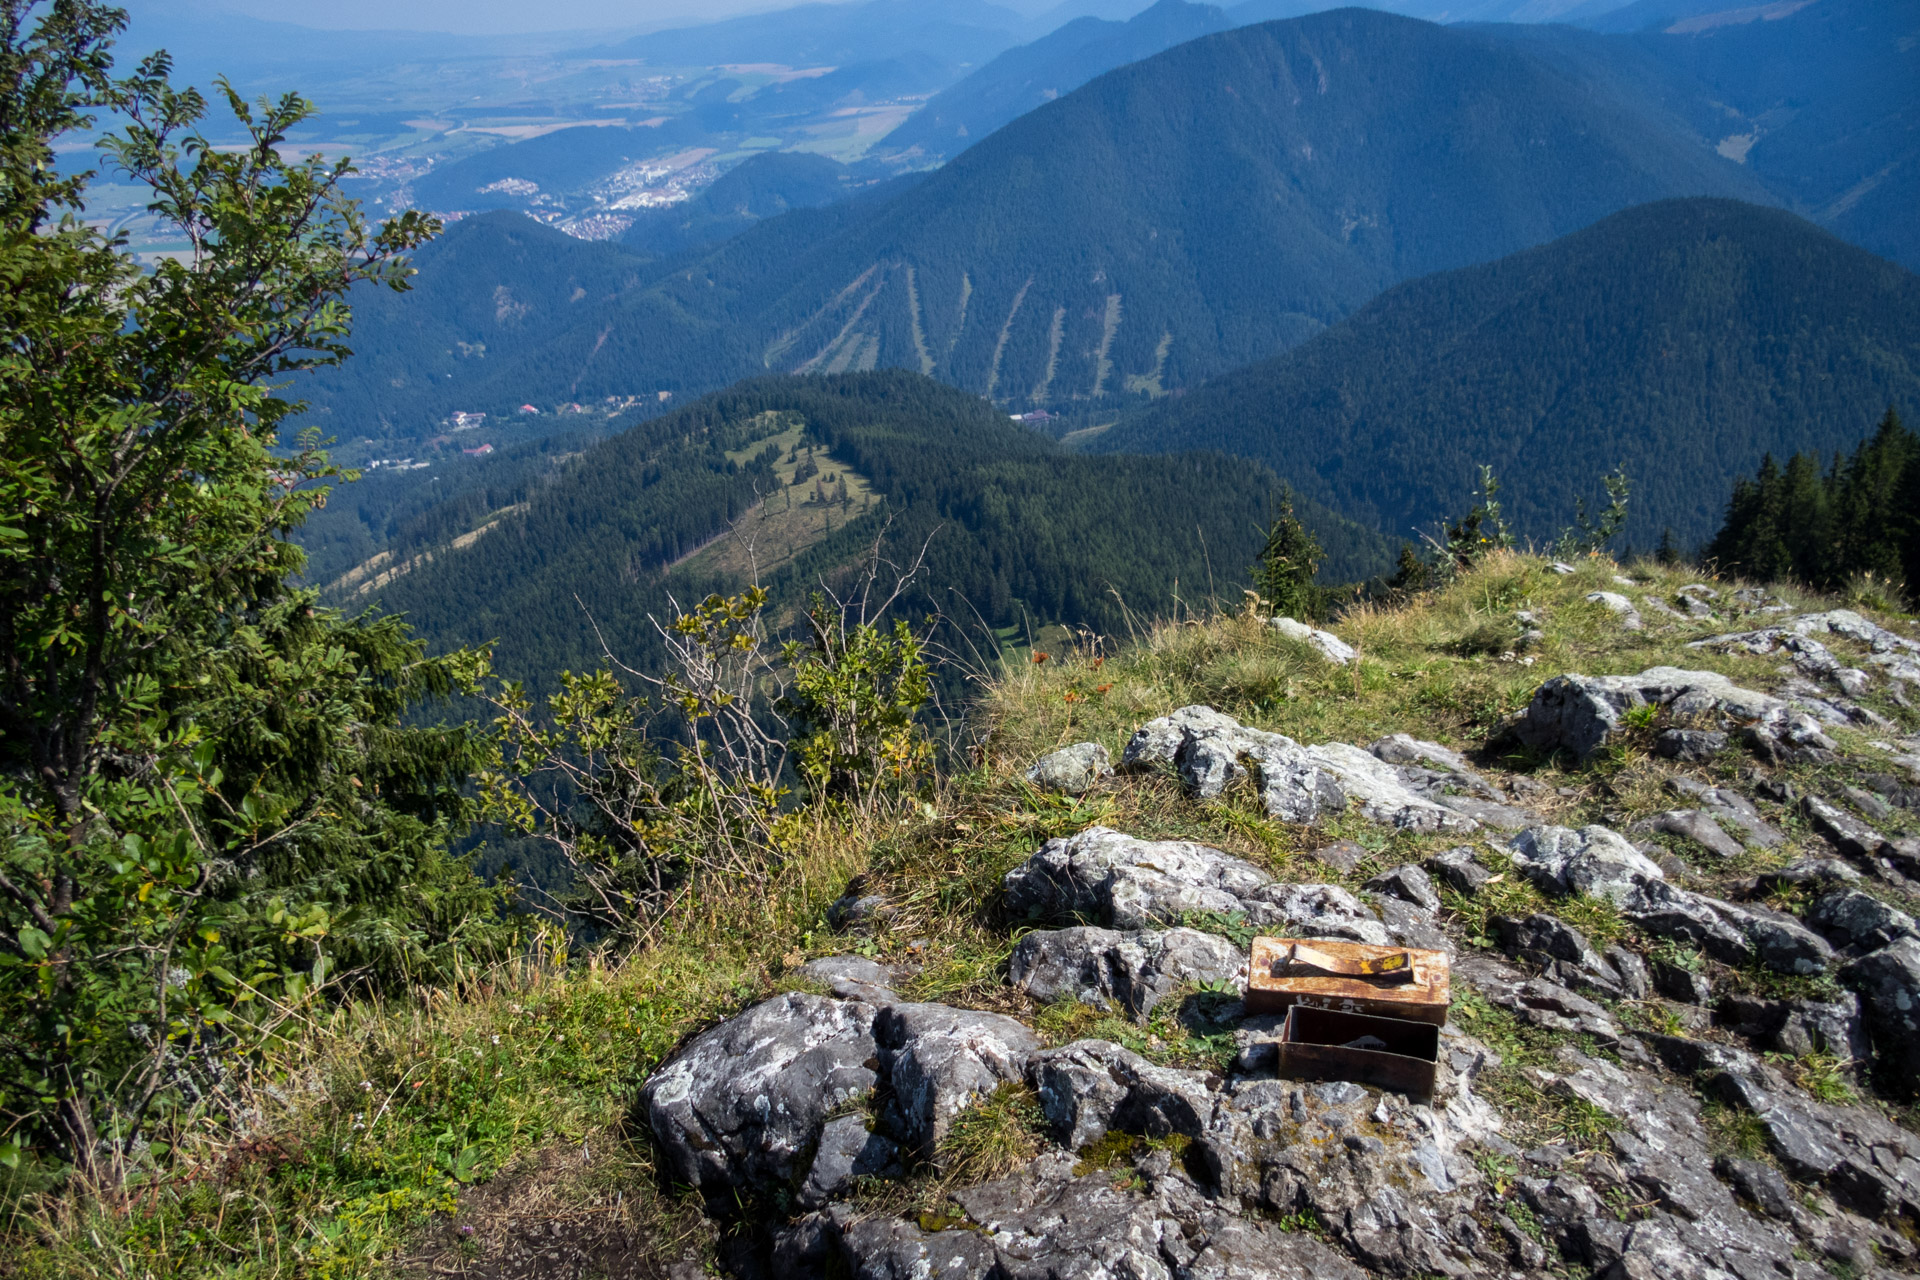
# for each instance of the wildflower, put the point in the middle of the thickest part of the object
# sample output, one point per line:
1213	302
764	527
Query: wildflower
496	1039
1098	663
1039	658
1102	688
366	1086
1071	696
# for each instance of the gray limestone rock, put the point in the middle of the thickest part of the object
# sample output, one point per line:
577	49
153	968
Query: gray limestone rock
1580	713
1559	948
1848	834
1592	860
1091	1086
1131	972
1409	884
1818	872
1732	809
1405	749
1135	884
852	978
1325	643
1732	933
1343	856
1409	926
1759	1184
1158	741
1677	982
1457	869
1636	982
1300	784
939	1059
1800	1026
1597	861
743	1102
848	1150
1619	605
1073	770
1888	981
1690	746
860	913
1864	1161
1694	826
1850	918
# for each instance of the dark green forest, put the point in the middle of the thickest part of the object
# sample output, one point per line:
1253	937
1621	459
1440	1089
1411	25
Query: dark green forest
1680	340
1017	532
1830	523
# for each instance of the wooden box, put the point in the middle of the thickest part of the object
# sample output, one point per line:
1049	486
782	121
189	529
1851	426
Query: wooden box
1388	1053
1407	982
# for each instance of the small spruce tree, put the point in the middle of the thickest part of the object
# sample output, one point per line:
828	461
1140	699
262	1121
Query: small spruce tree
1288	563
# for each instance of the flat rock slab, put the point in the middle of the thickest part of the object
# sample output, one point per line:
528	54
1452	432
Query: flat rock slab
1300	784
1130	972
1101	874
1582	713
1325	643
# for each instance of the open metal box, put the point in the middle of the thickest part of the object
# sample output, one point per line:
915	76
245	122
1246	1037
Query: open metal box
1389	1053
1350	977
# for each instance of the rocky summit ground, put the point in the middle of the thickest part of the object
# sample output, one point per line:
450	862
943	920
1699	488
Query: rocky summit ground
1662	825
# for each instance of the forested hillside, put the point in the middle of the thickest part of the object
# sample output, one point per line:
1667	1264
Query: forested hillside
1681	340
1018	533
764	186
1820	102
1032	75
1174	218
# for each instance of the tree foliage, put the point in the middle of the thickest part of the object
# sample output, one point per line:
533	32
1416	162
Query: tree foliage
1289	562
209	805
1826	525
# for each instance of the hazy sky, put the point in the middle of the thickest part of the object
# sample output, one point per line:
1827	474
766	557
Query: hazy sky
490	17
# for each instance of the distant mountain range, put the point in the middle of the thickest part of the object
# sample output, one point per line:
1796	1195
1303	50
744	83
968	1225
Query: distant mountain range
1033	75
1171	219
958	32
1681	340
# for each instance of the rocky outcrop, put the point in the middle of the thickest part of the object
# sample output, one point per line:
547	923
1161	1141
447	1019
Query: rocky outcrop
939	1059
1860	922
1092	1086
1732	810
1181	1168
1130	972
742	1104
1565	956
1582	713
1600	862
1620	607
1210	751
1696	828
1048	1224
1072	770
1131	884
1325	643
848	1150
1888	981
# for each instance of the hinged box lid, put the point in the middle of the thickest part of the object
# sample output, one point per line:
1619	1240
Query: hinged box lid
1354	977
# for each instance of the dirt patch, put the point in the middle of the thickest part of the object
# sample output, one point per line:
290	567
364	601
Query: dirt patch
566	1213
